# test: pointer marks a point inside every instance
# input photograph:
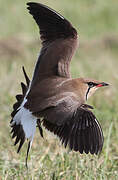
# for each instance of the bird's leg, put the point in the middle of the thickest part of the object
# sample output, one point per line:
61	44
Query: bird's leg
28	148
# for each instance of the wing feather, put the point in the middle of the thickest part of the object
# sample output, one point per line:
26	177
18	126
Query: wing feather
59	40
79	130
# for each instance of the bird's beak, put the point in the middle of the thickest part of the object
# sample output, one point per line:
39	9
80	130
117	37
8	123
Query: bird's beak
102	84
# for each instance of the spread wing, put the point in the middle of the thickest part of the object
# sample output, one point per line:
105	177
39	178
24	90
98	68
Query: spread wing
75	125
59	41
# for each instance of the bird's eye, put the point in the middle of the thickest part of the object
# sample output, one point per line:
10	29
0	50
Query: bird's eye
90	84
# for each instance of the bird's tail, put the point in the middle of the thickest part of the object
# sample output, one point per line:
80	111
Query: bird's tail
17	130
20	97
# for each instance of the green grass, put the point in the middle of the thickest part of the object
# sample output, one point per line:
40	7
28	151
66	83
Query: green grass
97	57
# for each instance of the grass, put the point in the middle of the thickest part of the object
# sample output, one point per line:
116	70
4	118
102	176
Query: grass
97	57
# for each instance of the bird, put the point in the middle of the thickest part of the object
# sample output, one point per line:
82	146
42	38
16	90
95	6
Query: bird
52	98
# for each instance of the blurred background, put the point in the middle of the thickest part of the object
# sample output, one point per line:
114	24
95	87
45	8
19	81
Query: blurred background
97	56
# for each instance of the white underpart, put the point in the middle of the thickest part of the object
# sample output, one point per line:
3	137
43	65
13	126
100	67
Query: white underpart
28	122
26	119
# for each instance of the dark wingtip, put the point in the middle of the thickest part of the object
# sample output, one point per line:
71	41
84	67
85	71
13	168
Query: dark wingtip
18	132
31	5
57	26
28	3
83	133
24	88
26	77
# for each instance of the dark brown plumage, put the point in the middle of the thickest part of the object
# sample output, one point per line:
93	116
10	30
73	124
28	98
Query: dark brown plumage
53	99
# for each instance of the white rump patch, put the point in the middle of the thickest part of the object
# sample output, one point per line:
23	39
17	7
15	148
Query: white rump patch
28	122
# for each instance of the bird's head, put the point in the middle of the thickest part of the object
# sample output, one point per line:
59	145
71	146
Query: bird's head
89	86
92	86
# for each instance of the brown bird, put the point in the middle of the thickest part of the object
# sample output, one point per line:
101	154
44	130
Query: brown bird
52	98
